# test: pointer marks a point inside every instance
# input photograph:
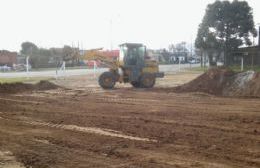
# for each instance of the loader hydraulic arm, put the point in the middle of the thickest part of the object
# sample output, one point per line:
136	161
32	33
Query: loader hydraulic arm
95	54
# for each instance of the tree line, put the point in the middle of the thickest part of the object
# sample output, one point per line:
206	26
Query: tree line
53	57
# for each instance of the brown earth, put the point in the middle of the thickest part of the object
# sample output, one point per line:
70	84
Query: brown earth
253	88
223	82
23	87
85	126
212	82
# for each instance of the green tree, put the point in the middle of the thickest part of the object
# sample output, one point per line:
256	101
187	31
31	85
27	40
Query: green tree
71	55
181	48
43	56
31	50
67	53
57	55
39	57
226	26
28	48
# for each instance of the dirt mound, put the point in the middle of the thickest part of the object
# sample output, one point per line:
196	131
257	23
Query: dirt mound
212	81
224	82
22	87
248	87
45	85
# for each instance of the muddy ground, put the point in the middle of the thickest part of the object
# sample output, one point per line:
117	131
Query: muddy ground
85	126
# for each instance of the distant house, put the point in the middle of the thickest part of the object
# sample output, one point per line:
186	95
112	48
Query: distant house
155	55
250	55
8	58
178	57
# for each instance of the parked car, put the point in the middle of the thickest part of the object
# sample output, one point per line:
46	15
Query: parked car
5	68
193	61
21	67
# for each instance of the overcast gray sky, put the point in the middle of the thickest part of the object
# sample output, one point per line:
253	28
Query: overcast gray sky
97	23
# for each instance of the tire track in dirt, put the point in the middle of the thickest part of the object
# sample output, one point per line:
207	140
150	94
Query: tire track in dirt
141	102
20	101
92	130
113	99
130	101
161	103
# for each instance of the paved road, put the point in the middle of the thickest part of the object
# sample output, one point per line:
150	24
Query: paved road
52	73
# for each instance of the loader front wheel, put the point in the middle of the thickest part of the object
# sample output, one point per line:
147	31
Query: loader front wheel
147	80
136	84
107	80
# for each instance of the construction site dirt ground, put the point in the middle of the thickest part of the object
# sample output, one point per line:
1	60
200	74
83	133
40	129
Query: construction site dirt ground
81	125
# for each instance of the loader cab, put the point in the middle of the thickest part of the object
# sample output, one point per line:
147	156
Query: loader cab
132	60
132	54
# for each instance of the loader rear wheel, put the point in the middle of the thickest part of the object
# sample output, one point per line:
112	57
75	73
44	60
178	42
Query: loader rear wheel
147	80
107	80
136	84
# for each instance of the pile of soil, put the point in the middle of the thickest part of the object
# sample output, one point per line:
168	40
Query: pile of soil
224	82
212	82
45	85
249	87
22	87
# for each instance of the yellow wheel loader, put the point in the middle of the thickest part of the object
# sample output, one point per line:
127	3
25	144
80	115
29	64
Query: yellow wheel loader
133	66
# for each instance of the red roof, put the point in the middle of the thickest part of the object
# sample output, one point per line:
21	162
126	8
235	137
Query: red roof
111	53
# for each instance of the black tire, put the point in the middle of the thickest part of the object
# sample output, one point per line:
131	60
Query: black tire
147	80
136	84
107	80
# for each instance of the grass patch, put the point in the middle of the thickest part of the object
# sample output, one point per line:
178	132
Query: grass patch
237	68
198	69
23	80
54	69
